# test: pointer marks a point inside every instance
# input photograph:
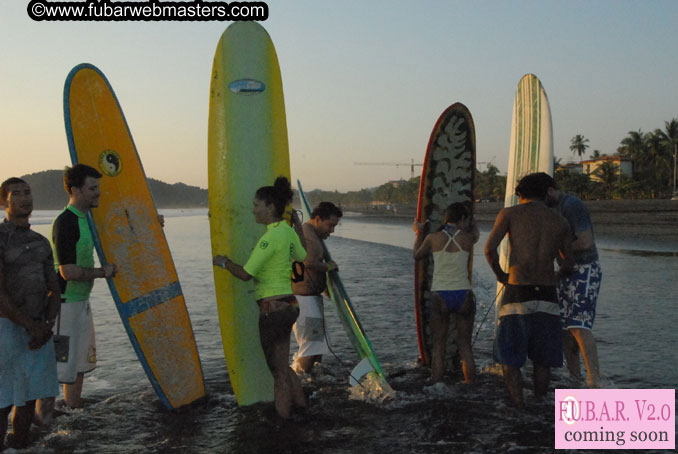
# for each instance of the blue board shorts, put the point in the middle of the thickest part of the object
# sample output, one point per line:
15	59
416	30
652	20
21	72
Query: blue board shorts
453	299
25	374
531	333
578	295
536	336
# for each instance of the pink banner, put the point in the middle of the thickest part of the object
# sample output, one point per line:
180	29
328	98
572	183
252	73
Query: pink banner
615	419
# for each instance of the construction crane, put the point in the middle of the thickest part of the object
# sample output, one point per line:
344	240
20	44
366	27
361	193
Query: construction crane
490	162
411	164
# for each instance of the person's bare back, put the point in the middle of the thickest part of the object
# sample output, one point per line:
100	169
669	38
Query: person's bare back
529	321
537	237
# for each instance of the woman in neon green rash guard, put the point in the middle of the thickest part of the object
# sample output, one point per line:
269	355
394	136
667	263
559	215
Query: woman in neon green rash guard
270	265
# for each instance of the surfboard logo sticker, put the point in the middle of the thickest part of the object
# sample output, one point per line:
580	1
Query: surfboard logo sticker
247	87
110	163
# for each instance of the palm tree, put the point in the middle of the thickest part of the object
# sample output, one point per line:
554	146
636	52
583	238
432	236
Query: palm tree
578	145
633	145
608	176
633	148
659	154
557	162
670	138
574	183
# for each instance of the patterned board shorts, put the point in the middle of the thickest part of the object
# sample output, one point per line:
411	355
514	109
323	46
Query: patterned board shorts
309	330
578	295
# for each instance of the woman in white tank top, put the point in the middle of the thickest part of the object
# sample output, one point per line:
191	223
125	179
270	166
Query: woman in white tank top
451	285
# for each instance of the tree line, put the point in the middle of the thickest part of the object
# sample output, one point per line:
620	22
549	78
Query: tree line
490	187
653	158
652	155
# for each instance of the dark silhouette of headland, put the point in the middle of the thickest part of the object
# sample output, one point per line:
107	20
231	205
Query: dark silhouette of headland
48	192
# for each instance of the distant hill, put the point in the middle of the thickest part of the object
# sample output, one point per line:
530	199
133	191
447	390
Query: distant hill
49	194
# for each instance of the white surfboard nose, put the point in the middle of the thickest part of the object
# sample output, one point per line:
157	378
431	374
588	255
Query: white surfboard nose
359	371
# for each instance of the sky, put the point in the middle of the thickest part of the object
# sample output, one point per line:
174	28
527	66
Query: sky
364	81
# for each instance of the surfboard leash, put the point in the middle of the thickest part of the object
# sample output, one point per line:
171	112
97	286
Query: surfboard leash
327	342
493	304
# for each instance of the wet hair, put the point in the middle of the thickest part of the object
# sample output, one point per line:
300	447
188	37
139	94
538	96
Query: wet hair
4	188
74	177
280	195
548	180
326	210
455	212
535	185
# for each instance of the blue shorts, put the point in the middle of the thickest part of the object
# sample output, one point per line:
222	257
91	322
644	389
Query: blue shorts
536	336
453	299
25	374
578	295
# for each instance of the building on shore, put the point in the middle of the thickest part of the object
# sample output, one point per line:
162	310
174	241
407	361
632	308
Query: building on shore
624	166
590	167
572	167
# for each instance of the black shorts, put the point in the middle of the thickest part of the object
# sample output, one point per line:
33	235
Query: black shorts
277	325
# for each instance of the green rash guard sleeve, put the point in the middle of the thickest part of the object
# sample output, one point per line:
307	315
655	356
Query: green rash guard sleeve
72	243
271	260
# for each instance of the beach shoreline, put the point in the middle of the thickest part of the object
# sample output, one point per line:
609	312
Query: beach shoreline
629	219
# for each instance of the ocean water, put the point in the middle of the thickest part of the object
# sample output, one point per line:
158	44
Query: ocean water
635	329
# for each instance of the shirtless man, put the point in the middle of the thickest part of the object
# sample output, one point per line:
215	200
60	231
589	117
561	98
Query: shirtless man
309	330
529	316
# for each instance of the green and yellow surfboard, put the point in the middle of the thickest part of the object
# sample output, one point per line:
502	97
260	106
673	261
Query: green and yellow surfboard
247	149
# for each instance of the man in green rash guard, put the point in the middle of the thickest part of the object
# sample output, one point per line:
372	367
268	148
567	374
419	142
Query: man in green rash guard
74	260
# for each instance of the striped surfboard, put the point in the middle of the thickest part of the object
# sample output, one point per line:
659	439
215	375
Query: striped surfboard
531	148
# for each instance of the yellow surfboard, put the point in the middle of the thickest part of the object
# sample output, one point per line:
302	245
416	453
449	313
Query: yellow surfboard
247	149
127	232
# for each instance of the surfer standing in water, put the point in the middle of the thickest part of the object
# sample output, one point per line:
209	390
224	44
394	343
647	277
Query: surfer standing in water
451	286
29	304
529	316
309	330
73	247
578	292
270	265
